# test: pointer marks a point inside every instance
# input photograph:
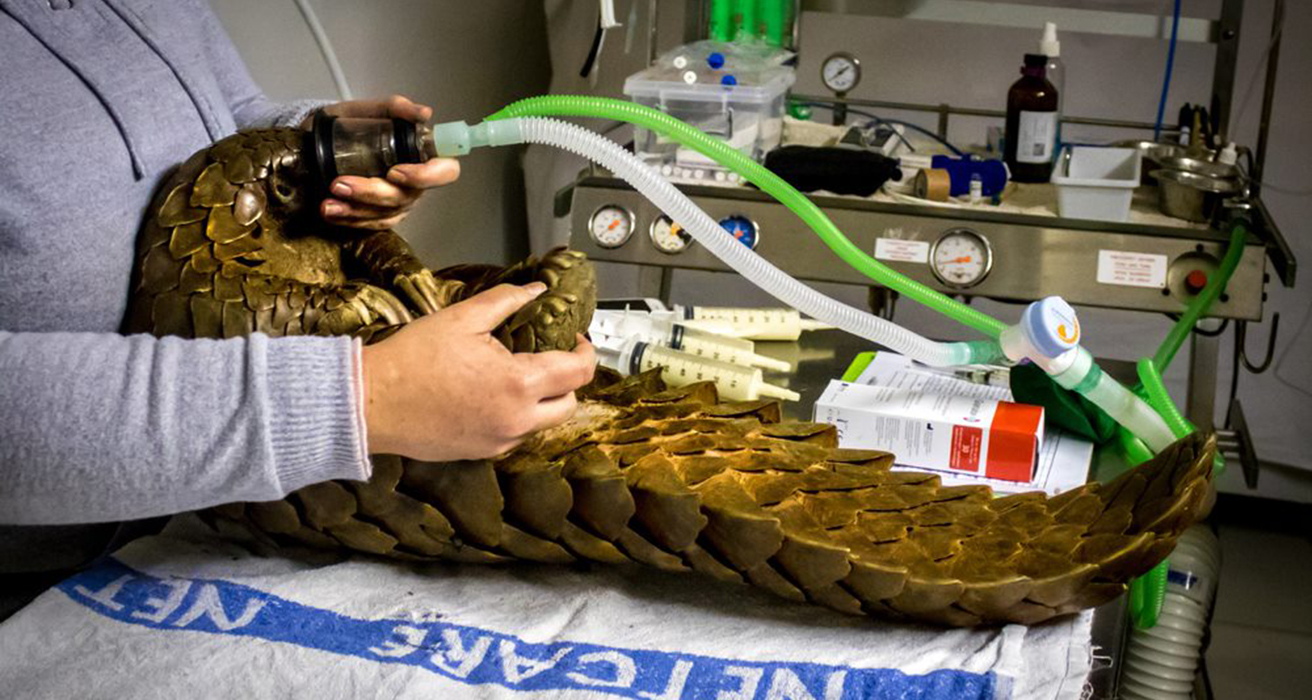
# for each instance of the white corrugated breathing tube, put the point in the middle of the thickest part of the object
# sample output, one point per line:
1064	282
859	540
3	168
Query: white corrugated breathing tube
742	259
1161	662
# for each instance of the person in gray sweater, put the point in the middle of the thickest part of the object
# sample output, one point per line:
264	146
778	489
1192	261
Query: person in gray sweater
101	99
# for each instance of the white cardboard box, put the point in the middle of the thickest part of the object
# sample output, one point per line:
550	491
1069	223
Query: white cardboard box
976	435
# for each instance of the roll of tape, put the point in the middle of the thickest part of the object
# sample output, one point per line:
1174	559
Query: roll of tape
933	184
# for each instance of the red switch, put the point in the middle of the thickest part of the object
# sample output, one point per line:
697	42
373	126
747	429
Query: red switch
1195	281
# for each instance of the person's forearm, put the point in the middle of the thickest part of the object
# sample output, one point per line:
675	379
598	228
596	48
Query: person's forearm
99	427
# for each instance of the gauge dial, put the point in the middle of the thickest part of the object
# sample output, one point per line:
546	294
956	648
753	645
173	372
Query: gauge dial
961	258
841	72
742	228
669	237
611	226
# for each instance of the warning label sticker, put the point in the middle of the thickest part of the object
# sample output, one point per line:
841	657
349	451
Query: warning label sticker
899	250
1131	269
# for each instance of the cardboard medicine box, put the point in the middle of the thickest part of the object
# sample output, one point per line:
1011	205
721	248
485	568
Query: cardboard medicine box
977	435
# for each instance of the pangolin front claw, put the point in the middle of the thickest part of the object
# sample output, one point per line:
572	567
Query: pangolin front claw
422	290
362	305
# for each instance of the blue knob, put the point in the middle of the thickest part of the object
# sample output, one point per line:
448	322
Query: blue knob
715	60
728	80
1051	326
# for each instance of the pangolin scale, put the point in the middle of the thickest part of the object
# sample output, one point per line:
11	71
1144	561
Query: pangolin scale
673	479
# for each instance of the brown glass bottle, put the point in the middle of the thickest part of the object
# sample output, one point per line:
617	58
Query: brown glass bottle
1031	123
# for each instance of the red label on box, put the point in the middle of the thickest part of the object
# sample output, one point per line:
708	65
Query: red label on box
966	444
1013	441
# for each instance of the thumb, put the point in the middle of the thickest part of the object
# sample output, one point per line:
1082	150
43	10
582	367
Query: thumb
486	310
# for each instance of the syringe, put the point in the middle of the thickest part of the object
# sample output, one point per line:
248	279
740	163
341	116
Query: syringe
739	322
753	324
680	369
664	331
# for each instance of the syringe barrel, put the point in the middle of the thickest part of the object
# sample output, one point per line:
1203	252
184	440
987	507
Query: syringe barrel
680	369
713	347
756	324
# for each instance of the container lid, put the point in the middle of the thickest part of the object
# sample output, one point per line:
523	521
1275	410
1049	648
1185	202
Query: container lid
698	71
753	86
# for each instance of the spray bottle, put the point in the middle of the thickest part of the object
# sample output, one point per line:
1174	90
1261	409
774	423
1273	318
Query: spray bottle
1031	123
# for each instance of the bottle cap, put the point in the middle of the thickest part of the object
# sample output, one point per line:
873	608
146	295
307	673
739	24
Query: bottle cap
1035	60
1048	45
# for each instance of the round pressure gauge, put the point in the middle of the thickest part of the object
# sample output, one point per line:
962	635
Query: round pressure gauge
961	258
669	237
840	72
742	228
611	226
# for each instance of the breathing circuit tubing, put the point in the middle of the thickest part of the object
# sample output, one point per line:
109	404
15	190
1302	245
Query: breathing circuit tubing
519	123
767	181
741	258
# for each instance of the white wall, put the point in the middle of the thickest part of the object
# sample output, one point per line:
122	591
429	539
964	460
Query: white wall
466	58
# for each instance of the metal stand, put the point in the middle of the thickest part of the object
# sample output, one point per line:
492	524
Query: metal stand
1204	355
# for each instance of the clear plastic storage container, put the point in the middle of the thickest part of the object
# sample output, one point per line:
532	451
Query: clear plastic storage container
1095	182
737	96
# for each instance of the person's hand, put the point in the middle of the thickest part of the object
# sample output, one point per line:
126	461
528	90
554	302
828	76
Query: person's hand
375	203
442	388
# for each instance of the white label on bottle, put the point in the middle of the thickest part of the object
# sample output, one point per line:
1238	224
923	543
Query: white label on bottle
1131	269
898	250
1037	137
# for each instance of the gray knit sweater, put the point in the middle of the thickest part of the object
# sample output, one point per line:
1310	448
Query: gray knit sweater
100	99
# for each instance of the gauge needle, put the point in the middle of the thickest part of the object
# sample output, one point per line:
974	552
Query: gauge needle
963	259
613	224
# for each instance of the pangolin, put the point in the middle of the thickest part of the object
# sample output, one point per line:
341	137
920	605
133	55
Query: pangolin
670	478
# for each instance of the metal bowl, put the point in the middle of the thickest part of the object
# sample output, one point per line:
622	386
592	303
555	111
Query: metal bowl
1199	166
1191	196
1152	152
